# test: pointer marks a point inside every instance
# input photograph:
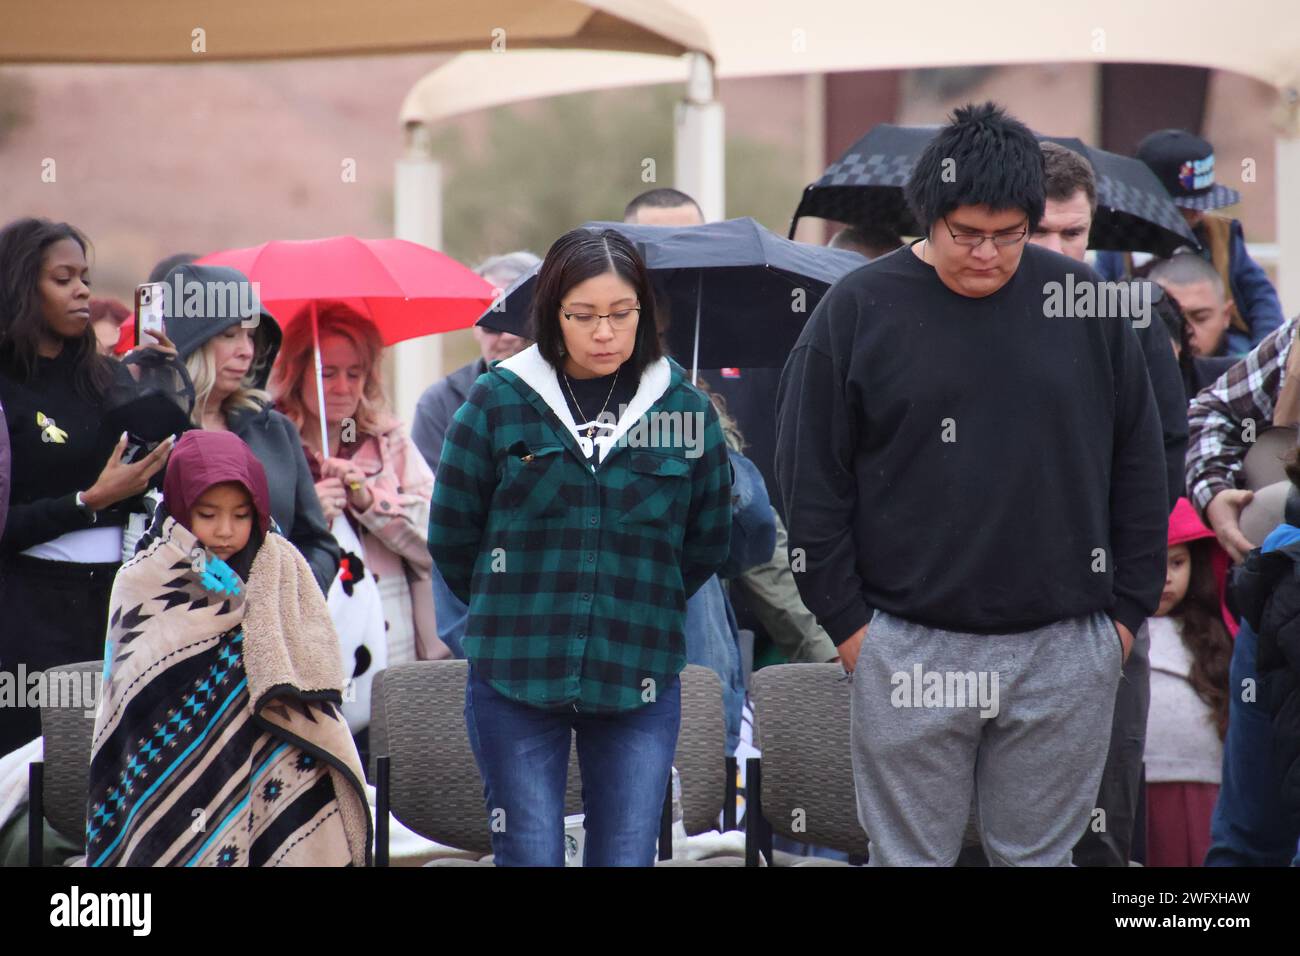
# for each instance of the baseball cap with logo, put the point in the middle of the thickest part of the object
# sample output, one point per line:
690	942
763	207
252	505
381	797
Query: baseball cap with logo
1184	164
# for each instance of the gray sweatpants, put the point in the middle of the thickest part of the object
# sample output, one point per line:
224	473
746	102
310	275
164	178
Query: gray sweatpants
1018	722
1108	840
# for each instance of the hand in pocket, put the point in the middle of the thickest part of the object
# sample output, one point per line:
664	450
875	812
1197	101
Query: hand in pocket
1125	639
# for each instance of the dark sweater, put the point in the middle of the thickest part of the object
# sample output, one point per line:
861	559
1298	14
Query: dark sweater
47	474
1057	454
591	394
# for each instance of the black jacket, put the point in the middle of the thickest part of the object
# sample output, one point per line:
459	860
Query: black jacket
1167	387
1266	592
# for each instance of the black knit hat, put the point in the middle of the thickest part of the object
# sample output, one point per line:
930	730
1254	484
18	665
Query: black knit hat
1184	164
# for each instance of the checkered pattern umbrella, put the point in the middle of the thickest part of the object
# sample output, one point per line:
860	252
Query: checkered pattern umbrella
865	186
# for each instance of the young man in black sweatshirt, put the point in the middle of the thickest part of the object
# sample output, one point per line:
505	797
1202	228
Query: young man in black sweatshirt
973	473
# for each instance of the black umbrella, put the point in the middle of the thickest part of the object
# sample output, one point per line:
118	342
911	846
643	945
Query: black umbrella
865	185
730	293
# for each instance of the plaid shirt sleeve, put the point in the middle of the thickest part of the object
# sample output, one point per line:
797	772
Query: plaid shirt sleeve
1222	417
462	493
708	525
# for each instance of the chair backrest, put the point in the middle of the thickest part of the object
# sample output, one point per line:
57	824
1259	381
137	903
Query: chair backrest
807	785
417	719
701	749
67	724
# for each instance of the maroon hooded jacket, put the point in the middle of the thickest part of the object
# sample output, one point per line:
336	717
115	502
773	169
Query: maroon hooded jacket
202	459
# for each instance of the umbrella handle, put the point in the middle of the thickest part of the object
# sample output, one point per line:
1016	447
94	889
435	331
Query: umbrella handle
320	385
699	297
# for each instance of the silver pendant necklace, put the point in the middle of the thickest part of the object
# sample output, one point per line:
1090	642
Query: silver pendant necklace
592	430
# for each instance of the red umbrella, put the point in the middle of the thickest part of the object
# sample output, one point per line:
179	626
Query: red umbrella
406	289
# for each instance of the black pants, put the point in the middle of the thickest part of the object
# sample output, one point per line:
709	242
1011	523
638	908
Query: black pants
1108	841
51	613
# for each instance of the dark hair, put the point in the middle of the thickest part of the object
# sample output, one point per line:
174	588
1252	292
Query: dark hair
575	257
662	198
166	267
1204	633
983	157
1065	172
1175	322
23	244
871	241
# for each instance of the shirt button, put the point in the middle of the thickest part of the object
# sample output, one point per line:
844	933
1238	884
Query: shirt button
384	505
591	557
594	519
586	597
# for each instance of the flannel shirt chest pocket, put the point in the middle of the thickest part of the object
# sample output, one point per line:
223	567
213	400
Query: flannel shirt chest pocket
657	491
532	481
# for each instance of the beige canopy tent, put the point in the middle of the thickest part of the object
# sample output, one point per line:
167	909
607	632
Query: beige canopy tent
825	36
189	31
724	38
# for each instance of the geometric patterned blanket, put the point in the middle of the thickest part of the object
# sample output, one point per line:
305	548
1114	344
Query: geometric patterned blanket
219	739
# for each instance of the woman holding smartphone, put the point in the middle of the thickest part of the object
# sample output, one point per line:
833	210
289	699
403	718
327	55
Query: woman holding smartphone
576	552
70	489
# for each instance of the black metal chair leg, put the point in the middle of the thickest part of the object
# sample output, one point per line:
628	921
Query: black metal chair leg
729	797
755	825
36	814
666	823
381	810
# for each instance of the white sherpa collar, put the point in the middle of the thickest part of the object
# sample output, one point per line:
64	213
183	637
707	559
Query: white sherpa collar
540	376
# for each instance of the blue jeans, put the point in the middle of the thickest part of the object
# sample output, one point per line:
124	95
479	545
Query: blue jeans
711	641
523	756
451	613
1249	827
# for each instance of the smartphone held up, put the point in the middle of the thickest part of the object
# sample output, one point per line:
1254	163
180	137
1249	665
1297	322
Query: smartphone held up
149	307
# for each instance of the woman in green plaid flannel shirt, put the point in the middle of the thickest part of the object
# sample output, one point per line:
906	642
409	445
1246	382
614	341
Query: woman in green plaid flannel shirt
575	532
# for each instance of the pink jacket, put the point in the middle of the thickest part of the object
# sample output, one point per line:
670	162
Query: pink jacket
393	534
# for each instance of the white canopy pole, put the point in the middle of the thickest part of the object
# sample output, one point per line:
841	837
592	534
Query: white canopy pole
1287	191
700	141
417	217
